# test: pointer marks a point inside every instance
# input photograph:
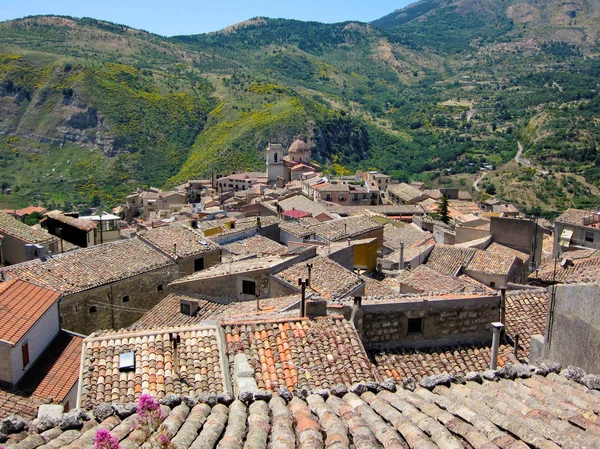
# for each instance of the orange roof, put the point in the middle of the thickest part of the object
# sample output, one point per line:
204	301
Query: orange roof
22	305
61	373
29	210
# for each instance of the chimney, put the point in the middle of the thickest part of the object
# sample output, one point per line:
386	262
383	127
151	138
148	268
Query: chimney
175	340
302	283
503	305
497	329
258	225
309	266
345	228
175	249
356	316
316	307
401	261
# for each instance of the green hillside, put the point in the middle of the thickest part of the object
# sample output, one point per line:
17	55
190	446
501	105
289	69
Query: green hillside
91	110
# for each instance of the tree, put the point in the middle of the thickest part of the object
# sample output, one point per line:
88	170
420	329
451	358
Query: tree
443	209
490	189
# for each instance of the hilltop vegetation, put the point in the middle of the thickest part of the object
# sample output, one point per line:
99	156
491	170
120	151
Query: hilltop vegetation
426	93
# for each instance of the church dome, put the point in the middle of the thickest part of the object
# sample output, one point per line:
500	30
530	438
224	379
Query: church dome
299	146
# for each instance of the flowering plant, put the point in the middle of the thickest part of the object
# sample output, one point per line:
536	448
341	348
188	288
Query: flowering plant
149	412
105	440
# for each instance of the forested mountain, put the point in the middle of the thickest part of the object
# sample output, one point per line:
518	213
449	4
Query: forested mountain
91	110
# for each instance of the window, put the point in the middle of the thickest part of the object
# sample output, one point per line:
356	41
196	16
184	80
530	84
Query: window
199	264
275	157
342	198
492	284
125	299
328	197
415	326
25	353
185	308
93	310
249	288
589	237
160	287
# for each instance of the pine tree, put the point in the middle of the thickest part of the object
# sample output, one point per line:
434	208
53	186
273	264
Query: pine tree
443	209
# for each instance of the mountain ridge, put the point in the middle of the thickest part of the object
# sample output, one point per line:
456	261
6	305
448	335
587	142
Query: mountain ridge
167	109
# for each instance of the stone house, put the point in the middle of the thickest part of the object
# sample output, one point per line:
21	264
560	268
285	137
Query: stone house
21	242
110	286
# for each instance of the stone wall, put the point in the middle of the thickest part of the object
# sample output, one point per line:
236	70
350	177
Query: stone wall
573	334
6	372
112	310
444	321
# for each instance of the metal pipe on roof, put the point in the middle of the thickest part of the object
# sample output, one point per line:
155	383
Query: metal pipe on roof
497	327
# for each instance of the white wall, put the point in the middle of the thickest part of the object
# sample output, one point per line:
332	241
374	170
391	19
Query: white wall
39	337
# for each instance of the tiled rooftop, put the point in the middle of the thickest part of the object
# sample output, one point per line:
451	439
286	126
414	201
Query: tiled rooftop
55	373
296	229
195	367
84	225
385	209
541	412
402	363
405	192
87	268
505	251
584	270
394	234
575	216
526	313
179	241
428	280
49	379
318	353
22	304
345	228
301	202
255	245
328	278
168	312
11	226
239	266
490	263
449	259
18	403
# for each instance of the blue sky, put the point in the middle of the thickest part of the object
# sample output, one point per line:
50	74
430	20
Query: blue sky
174	17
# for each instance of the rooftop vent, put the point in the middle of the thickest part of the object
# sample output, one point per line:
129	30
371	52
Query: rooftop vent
189	307
126	361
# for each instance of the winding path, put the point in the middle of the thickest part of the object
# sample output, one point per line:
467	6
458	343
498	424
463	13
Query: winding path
527	162
476	183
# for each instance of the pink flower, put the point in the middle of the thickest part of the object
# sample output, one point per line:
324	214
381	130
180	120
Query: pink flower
105	440
147	404
163	440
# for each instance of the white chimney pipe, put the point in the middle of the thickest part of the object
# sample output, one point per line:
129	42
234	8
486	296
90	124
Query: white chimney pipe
497	331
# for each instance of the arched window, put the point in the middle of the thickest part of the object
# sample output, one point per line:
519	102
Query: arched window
275	157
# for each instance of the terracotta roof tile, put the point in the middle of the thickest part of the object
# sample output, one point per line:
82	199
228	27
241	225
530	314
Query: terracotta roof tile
490	263
394	234
505	251
255	245
179	241
540	411
583	270
84	225
576	216
22	304
87	268
402	363
328	278
526	313
194	368
344	228
319	353
449	259
9	225
55	373
426	280
18	403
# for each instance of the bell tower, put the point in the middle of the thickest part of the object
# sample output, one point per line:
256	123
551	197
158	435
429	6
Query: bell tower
274	156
